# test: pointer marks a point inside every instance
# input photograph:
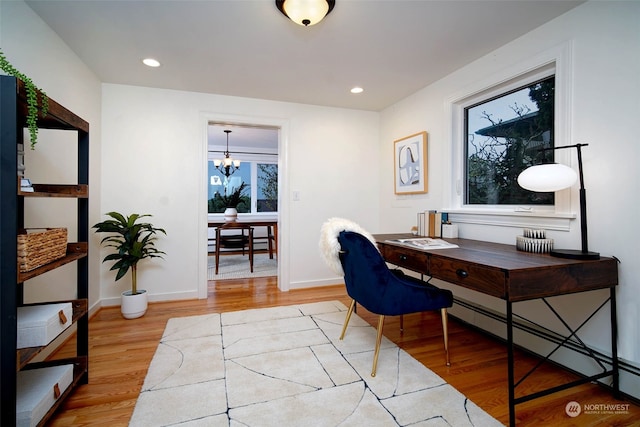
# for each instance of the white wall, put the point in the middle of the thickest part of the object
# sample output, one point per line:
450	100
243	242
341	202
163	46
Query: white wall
34	49
605	67
154	162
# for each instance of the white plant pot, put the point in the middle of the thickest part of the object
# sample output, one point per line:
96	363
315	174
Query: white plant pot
230	214
133	306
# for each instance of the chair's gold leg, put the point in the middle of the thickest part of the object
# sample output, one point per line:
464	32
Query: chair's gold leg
401	323
445	332
378	341
346	320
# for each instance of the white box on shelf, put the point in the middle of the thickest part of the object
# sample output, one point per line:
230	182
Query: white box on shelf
38	390
449	231
38	325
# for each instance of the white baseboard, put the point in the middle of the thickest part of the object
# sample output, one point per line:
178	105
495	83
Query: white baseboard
171	296
315	283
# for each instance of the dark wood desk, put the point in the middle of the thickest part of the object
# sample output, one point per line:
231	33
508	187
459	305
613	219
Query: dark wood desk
504	272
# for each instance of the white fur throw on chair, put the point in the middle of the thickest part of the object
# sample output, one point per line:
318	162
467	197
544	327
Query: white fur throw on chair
329	245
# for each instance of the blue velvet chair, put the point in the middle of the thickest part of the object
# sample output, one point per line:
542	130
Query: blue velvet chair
383	291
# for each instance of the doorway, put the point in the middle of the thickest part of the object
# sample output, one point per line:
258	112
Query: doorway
242	162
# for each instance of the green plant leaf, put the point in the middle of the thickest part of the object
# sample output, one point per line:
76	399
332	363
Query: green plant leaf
32	98
130	240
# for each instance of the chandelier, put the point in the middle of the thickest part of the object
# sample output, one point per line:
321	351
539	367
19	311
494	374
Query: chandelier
227	166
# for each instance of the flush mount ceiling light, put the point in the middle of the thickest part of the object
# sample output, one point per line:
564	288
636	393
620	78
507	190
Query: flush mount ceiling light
357	89
305	12
150	62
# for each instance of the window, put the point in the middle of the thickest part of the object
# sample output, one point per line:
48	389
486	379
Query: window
220	186
256	147
503	136
486	160
261	195
267	198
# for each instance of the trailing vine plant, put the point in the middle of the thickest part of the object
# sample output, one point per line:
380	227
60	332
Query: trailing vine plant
32	98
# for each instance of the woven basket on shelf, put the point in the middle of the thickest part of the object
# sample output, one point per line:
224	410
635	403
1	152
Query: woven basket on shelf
37	247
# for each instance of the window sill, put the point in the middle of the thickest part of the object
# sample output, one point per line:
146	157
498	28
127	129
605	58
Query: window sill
246	216
546	220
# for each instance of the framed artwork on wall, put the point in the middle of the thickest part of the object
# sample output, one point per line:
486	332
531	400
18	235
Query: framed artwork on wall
410	164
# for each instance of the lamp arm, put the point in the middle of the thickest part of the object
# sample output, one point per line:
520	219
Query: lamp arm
583	194
583	203
583	218
580	165
578	146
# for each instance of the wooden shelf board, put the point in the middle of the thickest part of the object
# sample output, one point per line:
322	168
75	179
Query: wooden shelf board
58	117
75	251
80	191
25	355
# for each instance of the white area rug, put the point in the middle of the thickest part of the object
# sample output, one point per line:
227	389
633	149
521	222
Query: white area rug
285	366
237	267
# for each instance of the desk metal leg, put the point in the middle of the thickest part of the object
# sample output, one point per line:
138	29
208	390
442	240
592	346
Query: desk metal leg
614	344
510	366
614	372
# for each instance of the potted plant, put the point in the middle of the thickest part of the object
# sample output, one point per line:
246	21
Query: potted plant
232	200
132	242
32	98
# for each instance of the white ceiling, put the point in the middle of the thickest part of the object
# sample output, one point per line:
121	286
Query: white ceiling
248	48
256	139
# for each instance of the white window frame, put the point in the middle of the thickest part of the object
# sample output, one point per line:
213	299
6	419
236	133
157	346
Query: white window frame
262	159
553	62
252	161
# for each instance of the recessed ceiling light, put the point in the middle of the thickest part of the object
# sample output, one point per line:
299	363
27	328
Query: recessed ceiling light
150	62
357	89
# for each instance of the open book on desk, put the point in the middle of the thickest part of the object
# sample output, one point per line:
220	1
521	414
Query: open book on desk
424	243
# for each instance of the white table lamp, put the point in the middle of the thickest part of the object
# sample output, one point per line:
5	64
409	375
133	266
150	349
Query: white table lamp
555	177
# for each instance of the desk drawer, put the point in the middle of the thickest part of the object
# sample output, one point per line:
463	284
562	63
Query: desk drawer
486	280
407	258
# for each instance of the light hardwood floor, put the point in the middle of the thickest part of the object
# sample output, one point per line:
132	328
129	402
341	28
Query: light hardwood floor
120	352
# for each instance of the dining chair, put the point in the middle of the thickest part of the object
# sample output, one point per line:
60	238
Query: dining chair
269	239
227	237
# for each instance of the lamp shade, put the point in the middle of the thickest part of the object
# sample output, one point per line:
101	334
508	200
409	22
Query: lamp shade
305	12
547	177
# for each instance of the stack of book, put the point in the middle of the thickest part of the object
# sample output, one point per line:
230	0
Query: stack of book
25	185
430	223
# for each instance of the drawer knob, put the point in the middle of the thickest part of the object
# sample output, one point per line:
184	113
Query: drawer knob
402	257
462	273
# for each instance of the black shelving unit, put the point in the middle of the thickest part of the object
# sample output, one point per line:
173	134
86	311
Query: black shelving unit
13	112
